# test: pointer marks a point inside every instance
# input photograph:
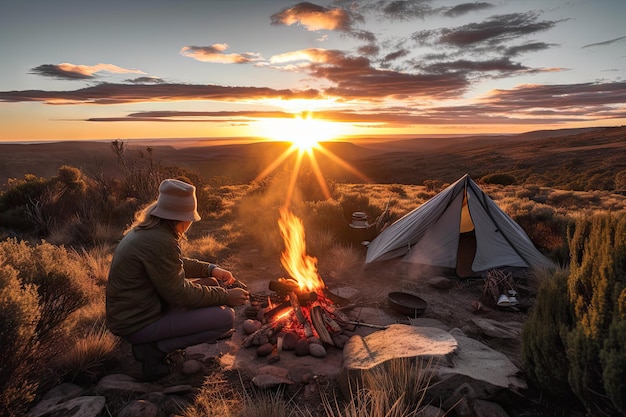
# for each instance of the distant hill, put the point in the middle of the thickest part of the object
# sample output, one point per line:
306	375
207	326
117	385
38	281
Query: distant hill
571	158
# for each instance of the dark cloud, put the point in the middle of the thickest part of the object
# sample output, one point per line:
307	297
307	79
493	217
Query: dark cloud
466	8
529	47
56	71
67	71
106	93
356	78
466	66
493	31
405	9
609	42
145	80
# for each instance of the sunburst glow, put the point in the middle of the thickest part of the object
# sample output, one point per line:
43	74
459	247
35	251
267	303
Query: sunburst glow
304	131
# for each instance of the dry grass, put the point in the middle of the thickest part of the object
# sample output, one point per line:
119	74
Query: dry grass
395	389
87	354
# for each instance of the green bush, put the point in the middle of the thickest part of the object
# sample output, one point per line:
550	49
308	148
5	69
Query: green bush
586	325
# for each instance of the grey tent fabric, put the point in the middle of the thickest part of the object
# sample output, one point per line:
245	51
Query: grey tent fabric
430	233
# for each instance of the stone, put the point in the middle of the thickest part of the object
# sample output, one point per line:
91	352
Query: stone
250	326
302	347
431	411
396	342
289	341
487	372
441	283
266	381
484	408
502	330
317	350
190	367
121	384
408	342
139	408
264	350
56	395
340	340
85	406
274	370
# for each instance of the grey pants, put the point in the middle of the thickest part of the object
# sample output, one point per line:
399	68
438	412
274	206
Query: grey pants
178	329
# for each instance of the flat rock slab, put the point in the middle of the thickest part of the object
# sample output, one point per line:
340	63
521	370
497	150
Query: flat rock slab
397	341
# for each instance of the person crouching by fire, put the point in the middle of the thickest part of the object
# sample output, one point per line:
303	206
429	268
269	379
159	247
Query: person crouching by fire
157	299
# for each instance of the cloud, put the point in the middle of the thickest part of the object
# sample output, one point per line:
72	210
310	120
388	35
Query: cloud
609	42
107	93
68	71
493	31
313	17
215	54
145	80
466	8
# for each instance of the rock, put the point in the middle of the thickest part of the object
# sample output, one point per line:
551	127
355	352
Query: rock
441	283
265	381
56	395
313	340
340	340
139	408
264	350
86	406
485	371
502	330
317	350
302	347
484	408
190	367
396	342
250	326
431	411
121	384
289	341
273	370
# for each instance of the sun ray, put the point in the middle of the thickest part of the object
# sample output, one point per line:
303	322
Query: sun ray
281	158
343	163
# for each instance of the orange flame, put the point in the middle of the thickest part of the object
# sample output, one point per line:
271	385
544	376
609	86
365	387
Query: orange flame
297	263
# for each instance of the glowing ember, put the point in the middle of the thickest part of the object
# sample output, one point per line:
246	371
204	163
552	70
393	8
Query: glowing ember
294	259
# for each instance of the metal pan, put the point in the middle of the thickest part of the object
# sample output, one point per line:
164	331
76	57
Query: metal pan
406	304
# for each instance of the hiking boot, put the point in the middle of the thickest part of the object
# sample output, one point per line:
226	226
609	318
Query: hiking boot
152	360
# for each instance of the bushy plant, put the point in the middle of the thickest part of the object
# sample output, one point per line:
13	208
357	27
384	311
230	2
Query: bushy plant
18	317
587	325
57	274
499	178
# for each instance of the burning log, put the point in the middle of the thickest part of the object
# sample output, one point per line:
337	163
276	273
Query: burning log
288	286
320	326
295	304
264	334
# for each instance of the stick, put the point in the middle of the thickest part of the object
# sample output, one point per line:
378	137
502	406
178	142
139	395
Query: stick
360	323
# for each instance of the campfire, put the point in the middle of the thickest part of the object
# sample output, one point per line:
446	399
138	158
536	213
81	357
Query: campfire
301	305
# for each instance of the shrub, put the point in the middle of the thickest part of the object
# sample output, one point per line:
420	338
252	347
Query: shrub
18	317
499	178
57	274
585	320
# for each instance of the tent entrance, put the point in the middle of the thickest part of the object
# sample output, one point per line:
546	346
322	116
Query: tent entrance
466	250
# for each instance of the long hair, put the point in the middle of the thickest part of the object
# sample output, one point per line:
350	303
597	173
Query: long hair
145	220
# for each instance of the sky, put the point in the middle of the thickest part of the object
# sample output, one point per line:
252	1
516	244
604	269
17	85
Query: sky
137	69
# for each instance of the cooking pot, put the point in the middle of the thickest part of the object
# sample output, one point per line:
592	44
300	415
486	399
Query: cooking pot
406	304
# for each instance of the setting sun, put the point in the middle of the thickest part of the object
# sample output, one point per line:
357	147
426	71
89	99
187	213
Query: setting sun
303	131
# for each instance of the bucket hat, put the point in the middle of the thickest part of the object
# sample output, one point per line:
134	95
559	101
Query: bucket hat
177	201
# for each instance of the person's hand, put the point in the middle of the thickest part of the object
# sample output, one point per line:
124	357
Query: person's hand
223	276
236	297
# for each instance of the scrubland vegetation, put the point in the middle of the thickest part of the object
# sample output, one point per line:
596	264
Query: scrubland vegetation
58	234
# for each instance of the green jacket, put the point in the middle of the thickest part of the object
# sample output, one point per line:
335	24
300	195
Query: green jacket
147	277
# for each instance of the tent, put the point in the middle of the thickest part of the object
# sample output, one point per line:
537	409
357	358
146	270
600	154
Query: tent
460	228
